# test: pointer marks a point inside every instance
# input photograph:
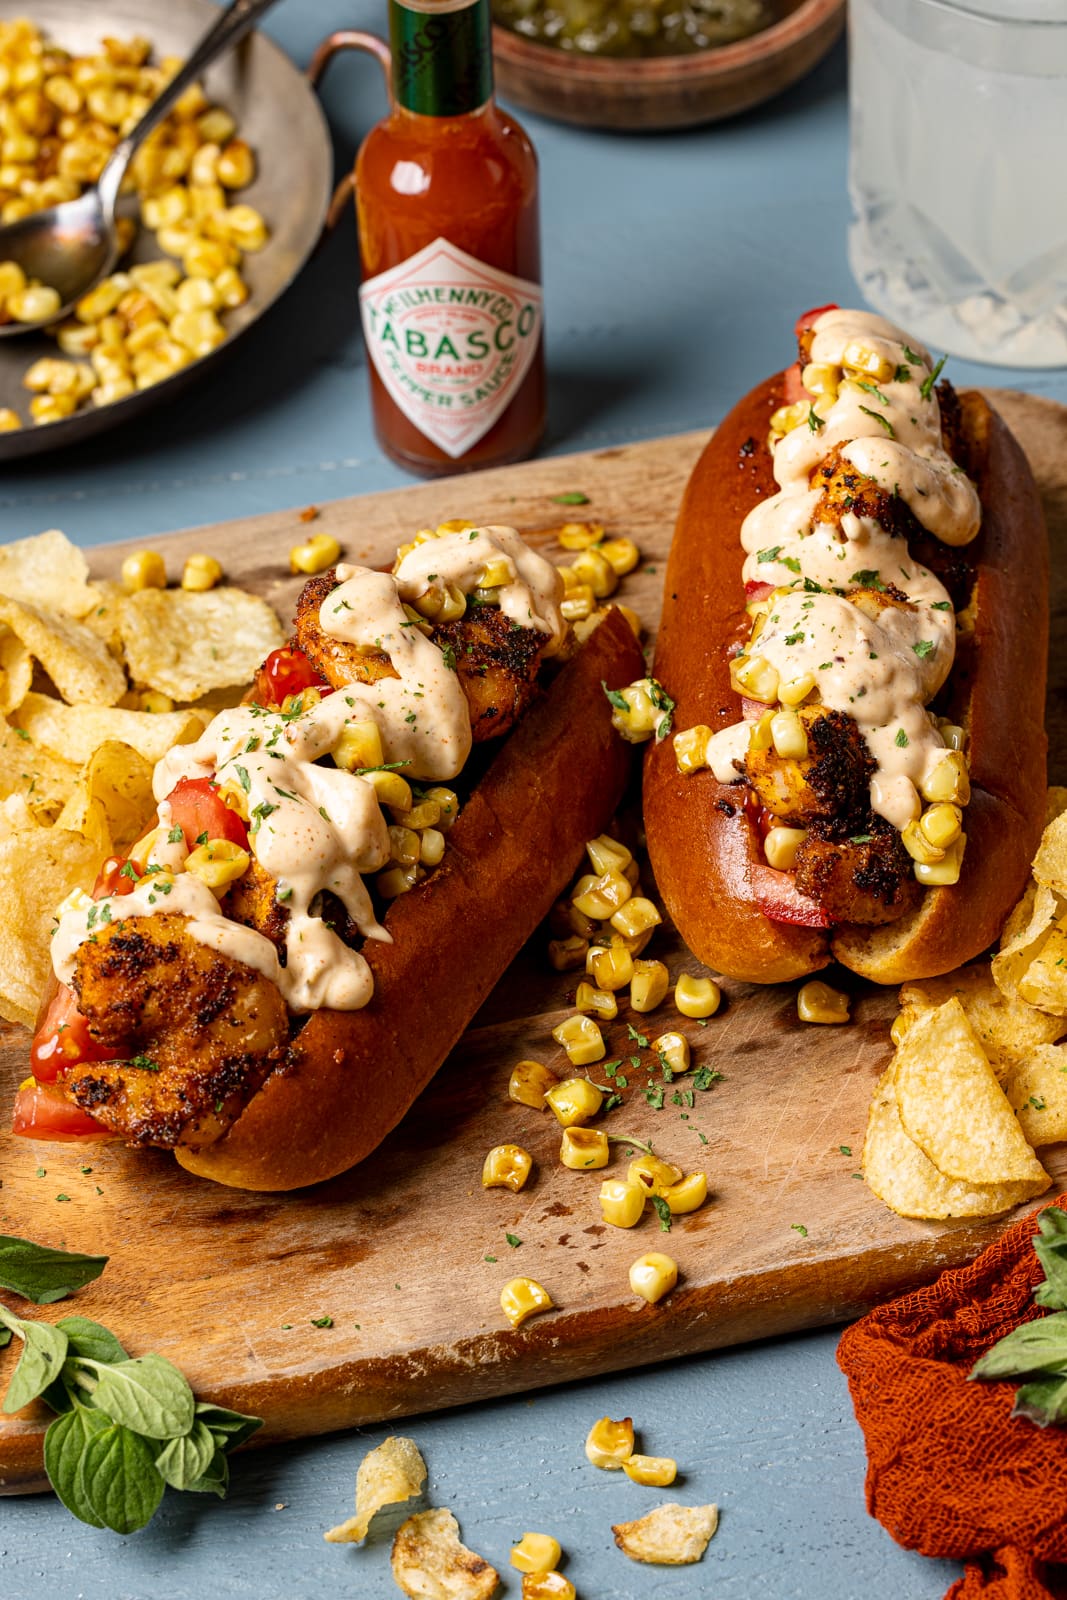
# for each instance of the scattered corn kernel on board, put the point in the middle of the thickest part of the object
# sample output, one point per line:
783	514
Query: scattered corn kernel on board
377	1295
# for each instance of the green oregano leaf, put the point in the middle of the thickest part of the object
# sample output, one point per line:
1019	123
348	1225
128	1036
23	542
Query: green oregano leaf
91	1340
65	1444
1050	1247
43	1275
121	1483
1042	1401
1034	1348
216	1479
228	1428
44	1349
184	1461
147	1394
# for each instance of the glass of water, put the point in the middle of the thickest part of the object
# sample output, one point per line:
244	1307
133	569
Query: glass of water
958	172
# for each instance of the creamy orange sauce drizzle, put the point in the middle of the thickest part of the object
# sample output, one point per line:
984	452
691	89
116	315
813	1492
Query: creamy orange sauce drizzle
881	671
316	828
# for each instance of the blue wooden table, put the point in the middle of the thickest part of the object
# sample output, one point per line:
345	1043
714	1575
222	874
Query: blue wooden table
675	265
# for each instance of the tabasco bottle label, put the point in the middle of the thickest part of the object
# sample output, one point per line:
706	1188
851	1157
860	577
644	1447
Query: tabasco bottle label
452	340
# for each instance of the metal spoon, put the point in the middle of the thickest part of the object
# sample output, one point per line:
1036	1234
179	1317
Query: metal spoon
72	246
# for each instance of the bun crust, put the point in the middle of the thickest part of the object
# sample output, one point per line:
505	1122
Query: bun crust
703	848
353	1075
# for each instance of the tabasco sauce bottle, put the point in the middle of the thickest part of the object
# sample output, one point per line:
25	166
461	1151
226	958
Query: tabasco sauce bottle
446	196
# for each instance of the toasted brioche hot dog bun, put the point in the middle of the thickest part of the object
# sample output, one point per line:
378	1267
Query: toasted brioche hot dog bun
553	784
703	843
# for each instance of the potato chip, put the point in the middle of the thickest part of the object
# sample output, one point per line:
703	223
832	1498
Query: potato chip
1006	1027
121	780
1037	1092
1050	863
1044	983
46	570
77	731
896	1171
669	1535
430	1563
104	614
77	661
45	780
16	671
1024	934
952	1106
38	867
388	1475
186	644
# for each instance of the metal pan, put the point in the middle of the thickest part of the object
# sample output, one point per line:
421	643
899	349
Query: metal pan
278	114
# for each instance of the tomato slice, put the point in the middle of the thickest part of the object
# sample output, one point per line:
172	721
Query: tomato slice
197	808
779	898
807	319
43	1112
112	879
756	589
62	1039
286	671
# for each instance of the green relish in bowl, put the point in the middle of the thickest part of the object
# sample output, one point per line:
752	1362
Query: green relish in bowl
635	27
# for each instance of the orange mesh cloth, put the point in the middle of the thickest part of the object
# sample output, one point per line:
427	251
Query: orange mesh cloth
949	1472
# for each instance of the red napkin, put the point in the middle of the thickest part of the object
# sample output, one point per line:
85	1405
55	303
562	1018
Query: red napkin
949	1472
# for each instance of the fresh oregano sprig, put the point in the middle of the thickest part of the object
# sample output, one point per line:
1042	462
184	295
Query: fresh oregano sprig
1037	1351
125	1427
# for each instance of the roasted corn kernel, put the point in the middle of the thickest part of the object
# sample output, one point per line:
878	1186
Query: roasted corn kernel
566	955
858	357
688	1194
9	420
576	1100
584	1148
691	748
578	603
547	1586
696	997
652	1276
608	1444
942	874
391	789
638	716
673	1049
781	845
603	897
596	1002
592	568
431	847
652	1175
622	554
528	1083
648	985
948	783
817	1002
755	677
919	846
536	1552
580	535
656	1471
792	691
155	701
315	554
622	1204
507	1166
636	917
610	966
448	803
218	863
360	745
395	881
606	853
201	572
788	736
34	304
144	569
523	1297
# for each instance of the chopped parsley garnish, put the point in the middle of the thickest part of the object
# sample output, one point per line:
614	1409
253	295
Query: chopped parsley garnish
872	388
868	578
145	1063
923	648
845	1149
704	1077
926	388
901	739
792	563
918	360
201	838
663	1212
448	655
638	1038
815	422
902	374
128	870
795	638
883	422
261	812
861	838
284	892
20	733
941	605
513	1240
798	1227
570	497
770	554
321	1322
175	836
242	777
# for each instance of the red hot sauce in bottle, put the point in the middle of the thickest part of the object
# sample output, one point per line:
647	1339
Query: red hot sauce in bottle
446	197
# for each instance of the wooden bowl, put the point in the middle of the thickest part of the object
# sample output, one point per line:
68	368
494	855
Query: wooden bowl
635	95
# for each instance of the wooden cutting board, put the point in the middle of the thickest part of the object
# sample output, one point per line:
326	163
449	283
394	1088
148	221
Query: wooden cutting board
407	1254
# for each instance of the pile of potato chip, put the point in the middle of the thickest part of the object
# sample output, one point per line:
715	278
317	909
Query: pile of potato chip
77	747
978	1079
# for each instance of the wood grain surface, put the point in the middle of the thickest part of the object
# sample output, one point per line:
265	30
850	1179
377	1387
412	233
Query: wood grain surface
407	1254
